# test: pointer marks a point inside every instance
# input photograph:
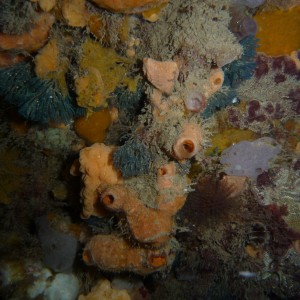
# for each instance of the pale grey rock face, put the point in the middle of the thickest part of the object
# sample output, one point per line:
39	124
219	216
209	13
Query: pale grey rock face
59	249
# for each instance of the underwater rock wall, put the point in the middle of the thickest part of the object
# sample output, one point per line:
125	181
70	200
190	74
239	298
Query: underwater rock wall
180	138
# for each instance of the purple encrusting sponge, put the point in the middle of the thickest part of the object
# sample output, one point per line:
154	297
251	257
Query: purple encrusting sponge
249	158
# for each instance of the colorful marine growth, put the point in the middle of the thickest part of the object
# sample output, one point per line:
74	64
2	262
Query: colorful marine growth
153	147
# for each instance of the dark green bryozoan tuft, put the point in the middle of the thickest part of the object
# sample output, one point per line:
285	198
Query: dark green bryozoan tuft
241	69
132	159
220	100
37	100
129	103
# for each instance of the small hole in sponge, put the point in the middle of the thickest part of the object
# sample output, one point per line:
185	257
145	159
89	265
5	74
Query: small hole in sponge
157	261
87	258
162	171
217	81
108	199
188	146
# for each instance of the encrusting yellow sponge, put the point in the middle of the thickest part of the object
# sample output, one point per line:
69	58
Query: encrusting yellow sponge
278	31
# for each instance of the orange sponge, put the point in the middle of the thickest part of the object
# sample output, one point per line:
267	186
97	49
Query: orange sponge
147	225
32	40
114	254
97	172
128	6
